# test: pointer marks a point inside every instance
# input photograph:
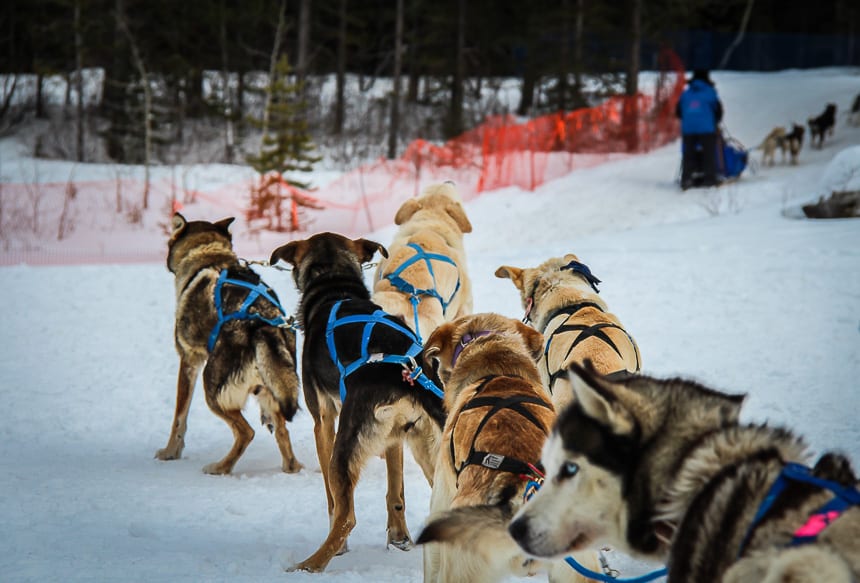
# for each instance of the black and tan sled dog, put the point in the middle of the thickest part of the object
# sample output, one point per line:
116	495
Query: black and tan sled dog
499	415
663	469
363	365
227	319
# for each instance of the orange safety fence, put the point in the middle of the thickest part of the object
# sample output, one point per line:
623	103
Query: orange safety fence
501	152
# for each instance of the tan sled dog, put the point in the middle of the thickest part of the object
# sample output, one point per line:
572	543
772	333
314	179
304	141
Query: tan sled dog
773	141
498	415
246	348
424	280
560	297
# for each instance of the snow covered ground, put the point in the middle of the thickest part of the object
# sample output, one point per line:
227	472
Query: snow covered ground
726	286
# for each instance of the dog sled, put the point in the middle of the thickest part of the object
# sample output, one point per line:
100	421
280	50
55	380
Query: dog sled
732	160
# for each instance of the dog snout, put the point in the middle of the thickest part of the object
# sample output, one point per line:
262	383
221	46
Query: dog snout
519	530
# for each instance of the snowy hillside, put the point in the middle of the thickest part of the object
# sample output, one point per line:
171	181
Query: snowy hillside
725	286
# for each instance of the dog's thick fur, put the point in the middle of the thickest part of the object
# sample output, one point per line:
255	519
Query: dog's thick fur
546	289
663	469
249	356
469	513
773	141
380	410
822	125
436	222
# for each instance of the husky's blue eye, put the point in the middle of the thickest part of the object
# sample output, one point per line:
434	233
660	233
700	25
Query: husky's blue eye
568	470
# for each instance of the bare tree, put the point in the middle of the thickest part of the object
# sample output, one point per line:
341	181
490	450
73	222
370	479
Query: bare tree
739	37
339	106
455	113
303	52
226	96
578	63
630	122
394	126
79	83
273	62
147	105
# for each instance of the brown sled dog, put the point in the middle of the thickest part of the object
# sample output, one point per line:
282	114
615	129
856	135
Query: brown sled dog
663	469
498	418
560	297
250	351
424	278
354	366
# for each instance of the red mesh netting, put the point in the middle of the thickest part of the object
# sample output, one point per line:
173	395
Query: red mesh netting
501	152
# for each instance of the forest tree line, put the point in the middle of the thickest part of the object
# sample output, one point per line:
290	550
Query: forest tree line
195	65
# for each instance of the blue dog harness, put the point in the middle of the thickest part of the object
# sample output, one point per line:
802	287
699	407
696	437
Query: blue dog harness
844	497
412	372
415	294
255	291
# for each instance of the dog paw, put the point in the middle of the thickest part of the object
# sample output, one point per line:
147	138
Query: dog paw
307	567
404	544
216	469
168	453
291	467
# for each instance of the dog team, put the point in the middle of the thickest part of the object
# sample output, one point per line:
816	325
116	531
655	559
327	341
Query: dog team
790	142
540	438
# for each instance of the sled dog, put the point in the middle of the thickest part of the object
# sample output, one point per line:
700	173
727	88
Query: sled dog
362	365
663	469
228	320
822	125
498	415
793	141
560	297
773	141
424	279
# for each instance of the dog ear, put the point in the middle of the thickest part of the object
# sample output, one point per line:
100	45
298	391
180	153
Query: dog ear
365	249
515	274
533	339
292	253
406	210
438	350
598	402
224	224
569	257
456	212
178	224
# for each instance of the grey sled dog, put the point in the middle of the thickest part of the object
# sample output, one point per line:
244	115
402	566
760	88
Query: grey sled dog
662	469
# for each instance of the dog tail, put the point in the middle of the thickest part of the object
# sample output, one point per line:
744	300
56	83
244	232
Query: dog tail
471	526
276	363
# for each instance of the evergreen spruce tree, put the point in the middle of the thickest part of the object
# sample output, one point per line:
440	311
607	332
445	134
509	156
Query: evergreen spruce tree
286	149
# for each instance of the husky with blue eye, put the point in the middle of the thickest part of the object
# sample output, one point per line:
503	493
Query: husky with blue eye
661	469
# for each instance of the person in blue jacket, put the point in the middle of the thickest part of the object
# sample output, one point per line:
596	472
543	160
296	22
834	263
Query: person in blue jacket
700	111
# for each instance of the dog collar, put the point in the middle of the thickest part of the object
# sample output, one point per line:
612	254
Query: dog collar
583	270
467	338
